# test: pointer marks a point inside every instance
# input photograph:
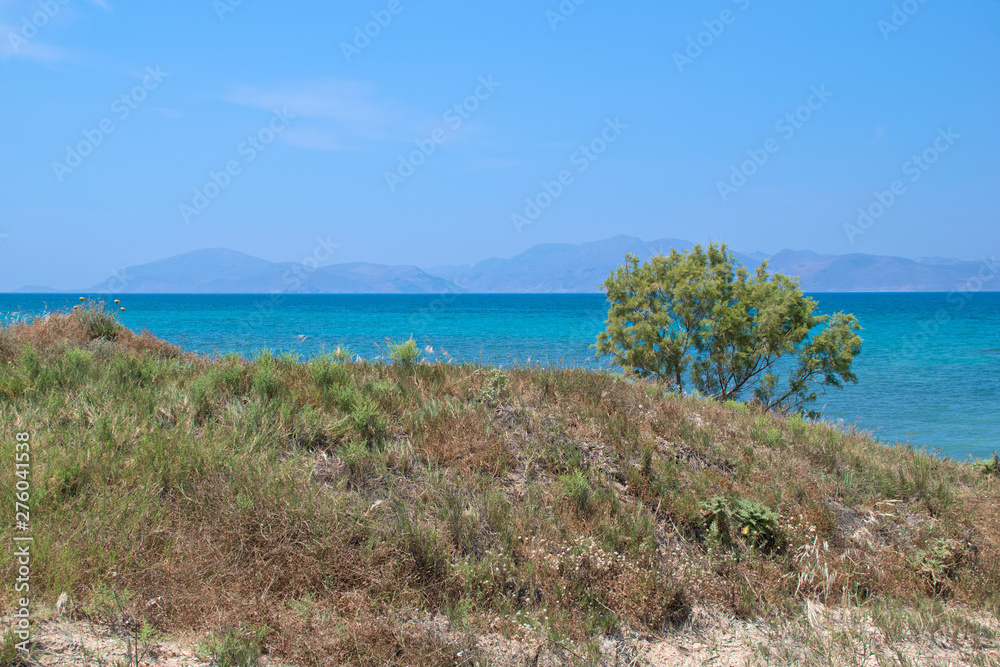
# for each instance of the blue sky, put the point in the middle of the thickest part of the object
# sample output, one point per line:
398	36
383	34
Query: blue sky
134	131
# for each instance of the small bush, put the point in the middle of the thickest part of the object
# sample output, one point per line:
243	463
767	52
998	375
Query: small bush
368	422
748	519
97	321
266	382
938	563
757	524
404	354
493	389
328	371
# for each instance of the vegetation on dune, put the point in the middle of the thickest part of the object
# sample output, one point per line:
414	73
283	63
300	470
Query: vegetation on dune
323	511
698	319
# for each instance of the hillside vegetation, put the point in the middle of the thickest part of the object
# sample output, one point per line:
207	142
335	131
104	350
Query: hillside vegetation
347	512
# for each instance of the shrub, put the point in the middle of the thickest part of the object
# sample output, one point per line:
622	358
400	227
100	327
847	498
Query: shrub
492	391
368	422
405	353
328	371
748	519
97	321
698	317
266	382
938	563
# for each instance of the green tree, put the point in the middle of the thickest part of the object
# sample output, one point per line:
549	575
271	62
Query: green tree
697	319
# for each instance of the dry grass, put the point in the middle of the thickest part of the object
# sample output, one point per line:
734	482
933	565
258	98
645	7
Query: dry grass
335	502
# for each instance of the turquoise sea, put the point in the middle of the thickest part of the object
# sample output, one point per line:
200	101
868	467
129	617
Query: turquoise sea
928	374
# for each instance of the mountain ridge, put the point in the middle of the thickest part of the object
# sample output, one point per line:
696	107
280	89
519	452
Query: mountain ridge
543	268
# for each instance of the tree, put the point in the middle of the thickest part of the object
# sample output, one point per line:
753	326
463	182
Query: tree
699	316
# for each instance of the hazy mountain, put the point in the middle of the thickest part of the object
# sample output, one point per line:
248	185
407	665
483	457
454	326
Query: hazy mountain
582	268
222	271
37	289
553	268
877	273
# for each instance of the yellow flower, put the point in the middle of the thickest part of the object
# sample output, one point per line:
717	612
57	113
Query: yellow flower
83	298
123	309
746	530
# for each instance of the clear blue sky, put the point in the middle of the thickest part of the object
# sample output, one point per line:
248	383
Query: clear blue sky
183	85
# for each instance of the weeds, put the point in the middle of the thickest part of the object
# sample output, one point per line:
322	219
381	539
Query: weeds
546	503
236	648
10	655
990	467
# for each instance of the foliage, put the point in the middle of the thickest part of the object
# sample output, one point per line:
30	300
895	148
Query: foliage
990	466
698	317
236	648
749	519
97	319
939	562
493	389
405	353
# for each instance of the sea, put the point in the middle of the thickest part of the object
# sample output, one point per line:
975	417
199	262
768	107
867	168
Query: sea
928	373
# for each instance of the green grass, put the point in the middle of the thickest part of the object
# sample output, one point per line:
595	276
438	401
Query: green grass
576	503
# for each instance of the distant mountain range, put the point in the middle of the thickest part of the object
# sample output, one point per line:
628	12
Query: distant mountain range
547	268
